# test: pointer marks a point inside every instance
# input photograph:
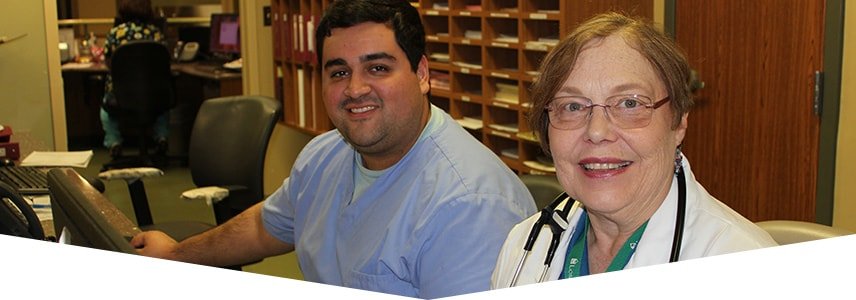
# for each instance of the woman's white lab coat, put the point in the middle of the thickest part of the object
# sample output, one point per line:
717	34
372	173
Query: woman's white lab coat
710	228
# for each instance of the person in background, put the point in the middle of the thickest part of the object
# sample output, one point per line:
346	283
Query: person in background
611	106
135	21
399	198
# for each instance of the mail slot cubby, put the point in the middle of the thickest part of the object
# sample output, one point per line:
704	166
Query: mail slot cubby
504	146
462	108
466	30
501	32
437	52
540	32
542	6
468	85
503	6
502	119
465	5
503	92
467	57
432	6
535	160
436	27
502	59
469	116
441	102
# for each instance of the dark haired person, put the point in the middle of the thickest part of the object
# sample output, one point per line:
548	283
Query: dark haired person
135	21
399	199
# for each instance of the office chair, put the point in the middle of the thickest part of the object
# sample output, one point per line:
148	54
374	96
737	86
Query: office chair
227	150
544	188
143	87
789	232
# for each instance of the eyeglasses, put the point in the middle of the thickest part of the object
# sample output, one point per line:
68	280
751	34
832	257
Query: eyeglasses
625	111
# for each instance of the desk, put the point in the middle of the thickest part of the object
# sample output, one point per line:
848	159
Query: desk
194	81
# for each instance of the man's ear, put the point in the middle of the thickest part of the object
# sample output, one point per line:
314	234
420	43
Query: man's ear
422	73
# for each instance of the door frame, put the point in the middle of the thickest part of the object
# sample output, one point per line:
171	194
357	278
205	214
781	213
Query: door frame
833	41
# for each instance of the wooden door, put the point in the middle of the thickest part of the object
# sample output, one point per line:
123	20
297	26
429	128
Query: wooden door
753	135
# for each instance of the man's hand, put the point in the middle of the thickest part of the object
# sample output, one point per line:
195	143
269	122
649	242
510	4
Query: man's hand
154	244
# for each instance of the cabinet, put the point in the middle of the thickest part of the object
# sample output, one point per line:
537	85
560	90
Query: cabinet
483	56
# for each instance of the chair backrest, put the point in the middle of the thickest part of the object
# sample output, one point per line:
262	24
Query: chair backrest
789	232
142	81
544	188
228	145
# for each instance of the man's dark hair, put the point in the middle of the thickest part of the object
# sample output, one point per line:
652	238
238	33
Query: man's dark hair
399	15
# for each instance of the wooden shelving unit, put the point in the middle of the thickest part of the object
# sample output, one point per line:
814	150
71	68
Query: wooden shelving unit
297	74
483	56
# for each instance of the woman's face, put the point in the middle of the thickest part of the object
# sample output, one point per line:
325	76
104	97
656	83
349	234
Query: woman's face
616	171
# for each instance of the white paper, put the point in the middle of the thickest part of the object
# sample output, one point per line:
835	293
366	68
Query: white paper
79	159
41	205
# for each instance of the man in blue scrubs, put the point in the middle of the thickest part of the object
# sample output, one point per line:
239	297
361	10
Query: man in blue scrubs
398	199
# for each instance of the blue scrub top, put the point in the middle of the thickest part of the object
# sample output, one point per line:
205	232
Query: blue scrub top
430	226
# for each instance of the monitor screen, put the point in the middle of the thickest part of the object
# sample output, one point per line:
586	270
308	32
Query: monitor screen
225	34
86	216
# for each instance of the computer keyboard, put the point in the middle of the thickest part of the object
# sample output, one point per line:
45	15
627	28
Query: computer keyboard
28	180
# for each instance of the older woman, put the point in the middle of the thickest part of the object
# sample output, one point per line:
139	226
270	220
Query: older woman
611	107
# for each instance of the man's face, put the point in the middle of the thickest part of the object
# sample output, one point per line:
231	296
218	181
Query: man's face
371	94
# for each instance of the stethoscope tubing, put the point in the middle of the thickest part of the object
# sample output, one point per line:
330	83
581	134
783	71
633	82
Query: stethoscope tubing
549	214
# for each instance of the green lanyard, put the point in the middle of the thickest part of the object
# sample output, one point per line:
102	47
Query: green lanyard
576	259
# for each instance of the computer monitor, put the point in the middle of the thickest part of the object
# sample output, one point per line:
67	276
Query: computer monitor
89	219
198	34
225	35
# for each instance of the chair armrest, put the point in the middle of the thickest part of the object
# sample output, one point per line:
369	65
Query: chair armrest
211	194
130	174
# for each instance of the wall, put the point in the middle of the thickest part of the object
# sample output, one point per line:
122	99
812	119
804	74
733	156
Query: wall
28	83
285	142
845	165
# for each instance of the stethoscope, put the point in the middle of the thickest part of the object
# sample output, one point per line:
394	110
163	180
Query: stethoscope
557	220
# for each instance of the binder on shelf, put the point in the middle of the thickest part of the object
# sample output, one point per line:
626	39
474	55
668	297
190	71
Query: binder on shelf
301	98
287	36
309	56
301	39
295	37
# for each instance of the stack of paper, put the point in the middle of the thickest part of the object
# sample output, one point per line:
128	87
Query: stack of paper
439	80
79	159
510	153
466	65
506	38
441	6
470	123
512	127
440	57
473	34
506	92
